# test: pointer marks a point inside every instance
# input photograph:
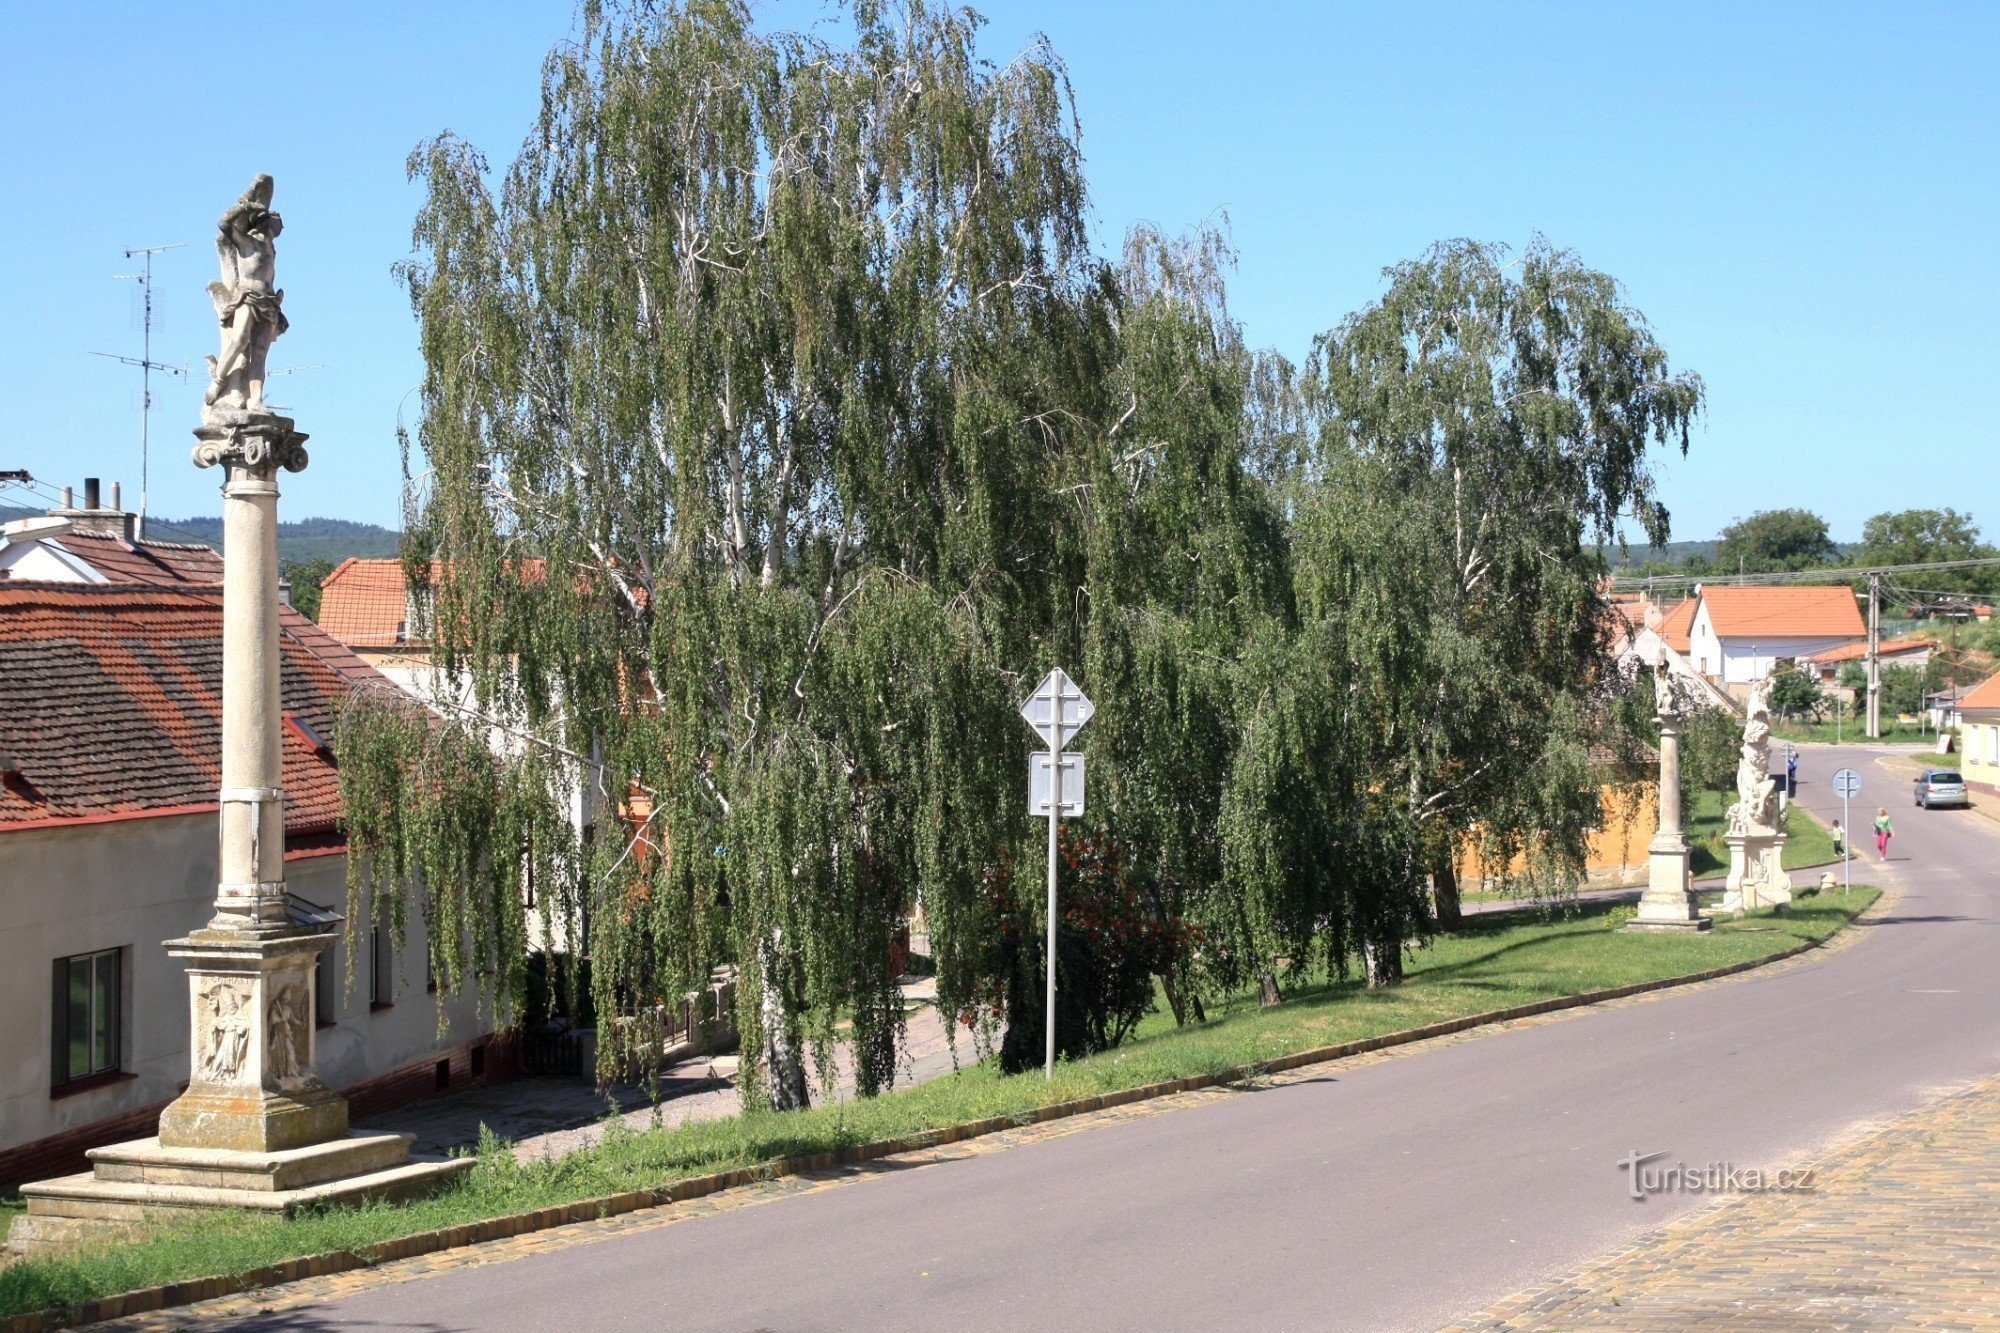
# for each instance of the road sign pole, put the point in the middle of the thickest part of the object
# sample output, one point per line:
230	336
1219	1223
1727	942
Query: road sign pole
1846	840
1056	711
1055	816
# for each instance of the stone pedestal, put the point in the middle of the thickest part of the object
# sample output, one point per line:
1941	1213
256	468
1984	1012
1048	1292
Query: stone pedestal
1668	902
1757	877
253	1086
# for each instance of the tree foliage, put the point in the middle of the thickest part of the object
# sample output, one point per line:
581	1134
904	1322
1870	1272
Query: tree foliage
1775	540
1478	426
780	427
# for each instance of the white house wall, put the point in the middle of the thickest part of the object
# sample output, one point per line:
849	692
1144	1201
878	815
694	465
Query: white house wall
132	884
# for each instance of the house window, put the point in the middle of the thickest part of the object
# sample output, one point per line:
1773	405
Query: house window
325	993
89	1028
381	969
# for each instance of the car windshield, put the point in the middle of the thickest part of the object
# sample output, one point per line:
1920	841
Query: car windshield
1942	775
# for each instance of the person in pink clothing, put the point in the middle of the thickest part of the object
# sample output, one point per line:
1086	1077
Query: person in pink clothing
1884	830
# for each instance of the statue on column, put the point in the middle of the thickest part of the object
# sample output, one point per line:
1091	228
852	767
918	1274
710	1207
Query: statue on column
247	300
236	424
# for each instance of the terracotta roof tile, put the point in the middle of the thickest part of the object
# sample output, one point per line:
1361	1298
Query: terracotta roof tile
143	562
1674	626
1784	611
1984	695
365	604
110	703
1854	652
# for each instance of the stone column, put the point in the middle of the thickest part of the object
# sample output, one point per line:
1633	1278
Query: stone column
1669	902
253	1086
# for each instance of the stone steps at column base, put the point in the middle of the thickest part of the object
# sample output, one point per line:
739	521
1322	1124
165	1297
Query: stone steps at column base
83	1209
147	1162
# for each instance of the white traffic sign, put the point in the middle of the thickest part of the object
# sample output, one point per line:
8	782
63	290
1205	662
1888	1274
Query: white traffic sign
1846	783
1041	784
1057	710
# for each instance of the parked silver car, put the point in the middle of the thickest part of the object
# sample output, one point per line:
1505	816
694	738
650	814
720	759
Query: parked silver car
1940	786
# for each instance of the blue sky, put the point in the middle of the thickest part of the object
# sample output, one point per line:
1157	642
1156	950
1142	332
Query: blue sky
1801	198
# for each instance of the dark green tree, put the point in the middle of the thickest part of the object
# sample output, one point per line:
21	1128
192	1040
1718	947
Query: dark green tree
1924	536
305	578
1794	693
1775	539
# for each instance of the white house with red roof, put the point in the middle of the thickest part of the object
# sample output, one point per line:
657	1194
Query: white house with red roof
110	721
1737	635
98	543
1979	738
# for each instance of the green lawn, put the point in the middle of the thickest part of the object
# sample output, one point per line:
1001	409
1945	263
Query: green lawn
1496	961
1807	843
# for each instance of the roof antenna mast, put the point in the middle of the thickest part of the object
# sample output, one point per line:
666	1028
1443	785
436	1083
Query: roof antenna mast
146	366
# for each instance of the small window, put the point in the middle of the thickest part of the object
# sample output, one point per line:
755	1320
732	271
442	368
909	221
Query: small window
381	969
88	1029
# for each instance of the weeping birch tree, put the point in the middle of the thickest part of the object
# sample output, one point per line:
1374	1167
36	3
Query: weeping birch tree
1481	429
754	393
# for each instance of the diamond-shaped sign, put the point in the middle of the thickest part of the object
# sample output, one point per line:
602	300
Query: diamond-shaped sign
1057	710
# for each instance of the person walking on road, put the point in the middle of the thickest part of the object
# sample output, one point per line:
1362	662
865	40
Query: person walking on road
1884	830
1839	840
1791	773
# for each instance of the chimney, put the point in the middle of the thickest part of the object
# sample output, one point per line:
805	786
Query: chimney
95	517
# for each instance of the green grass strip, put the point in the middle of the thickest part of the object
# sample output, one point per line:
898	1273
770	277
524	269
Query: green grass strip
1499	961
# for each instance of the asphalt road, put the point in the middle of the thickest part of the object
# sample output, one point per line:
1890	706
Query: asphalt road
1395	1195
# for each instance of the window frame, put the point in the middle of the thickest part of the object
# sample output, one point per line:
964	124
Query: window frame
104	1041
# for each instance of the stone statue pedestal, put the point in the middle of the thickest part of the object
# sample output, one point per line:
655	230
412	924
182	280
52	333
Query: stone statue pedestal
254	1087
256	1129
1757	877
1669	902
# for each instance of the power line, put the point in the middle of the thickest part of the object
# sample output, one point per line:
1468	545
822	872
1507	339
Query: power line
1849	573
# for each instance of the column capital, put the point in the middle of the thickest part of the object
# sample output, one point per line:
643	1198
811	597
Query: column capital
256	441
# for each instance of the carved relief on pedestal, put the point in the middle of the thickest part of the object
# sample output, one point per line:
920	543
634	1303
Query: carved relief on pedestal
288	1054
226	1013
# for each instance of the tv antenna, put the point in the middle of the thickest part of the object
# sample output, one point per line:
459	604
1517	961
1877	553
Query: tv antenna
291	370
146	366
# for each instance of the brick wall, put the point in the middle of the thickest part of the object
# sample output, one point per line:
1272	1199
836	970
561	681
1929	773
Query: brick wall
497	1058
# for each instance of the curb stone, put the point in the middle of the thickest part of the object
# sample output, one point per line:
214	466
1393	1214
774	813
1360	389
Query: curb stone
194	1290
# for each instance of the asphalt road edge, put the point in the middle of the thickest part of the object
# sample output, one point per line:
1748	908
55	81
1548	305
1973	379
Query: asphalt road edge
191	1291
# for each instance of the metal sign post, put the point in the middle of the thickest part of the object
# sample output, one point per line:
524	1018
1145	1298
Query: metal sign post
1847	783
1056	710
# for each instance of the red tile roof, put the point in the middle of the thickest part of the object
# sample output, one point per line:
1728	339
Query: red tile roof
110	704
365	603
1783	612
143	562
1854	652
1984	695
1674	626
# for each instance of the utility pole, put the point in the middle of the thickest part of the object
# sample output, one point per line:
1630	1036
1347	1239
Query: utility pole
146	366
1875	655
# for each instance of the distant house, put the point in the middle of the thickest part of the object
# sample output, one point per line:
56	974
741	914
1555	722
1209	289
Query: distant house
110	727
1911	651
1739	634
1979	737
98	543
365	604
